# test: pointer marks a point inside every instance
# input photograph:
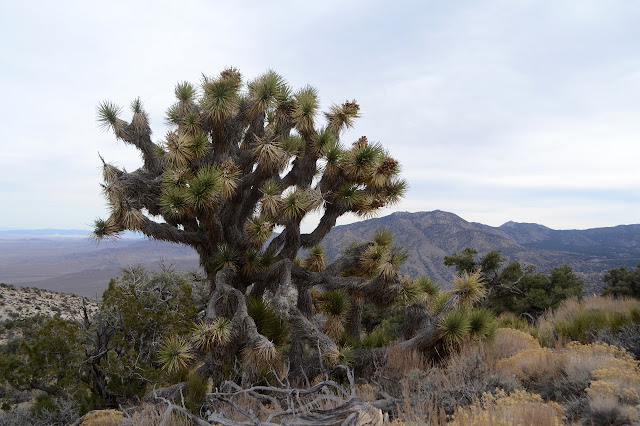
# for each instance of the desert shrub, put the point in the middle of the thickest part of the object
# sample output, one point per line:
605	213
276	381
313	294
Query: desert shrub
113	357
626	337
622	282
583	377
45	412
399	362
508	342
379	336
435	389
607	410
537	369
581	320
195	392
511	320
517	408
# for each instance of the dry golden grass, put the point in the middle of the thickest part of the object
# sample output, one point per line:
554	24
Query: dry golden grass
519	408
153	415
533	365
509	341
579	358
103	418
401	361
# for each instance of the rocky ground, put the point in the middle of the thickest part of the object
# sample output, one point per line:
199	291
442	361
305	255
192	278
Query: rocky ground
22	302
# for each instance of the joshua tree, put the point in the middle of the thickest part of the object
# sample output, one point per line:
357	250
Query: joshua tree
240	162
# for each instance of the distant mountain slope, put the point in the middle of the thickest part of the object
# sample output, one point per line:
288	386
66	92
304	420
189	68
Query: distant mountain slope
76	265
429	236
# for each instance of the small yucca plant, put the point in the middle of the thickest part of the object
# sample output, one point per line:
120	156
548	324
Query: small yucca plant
469	288
411	292
335	304
267	321
482	323
205	336
175	354
438	301
455	326
427	285
261	354
316	260
259	229
225	256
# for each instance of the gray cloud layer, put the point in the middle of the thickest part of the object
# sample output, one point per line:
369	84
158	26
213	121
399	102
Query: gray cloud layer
498	110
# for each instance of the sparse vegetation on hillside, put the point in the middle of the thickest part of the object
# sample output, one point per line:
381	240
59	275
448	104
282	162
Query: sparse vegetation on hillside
516	288
20	303
147	335
622	282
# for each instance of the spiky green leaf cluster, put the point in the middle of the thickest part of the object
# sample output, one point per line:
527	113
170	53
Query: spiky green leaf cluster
205	336
267	321
335	302
469	288
316	260
455	326
225	256
175	354
482	323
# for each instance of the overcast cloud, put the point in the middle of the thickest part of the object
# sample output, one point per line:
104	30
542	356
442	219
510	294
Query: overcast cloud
498	110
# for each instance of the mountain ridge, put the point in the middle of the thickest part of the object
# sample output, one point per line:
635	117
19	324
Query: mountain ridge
56	262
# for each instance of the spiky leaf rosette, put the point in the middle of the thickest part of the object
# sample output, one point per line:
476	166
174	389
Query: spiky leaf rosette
335	302
411	292
221	99
316	260
333	327
267	321
174	202
455	326
267	92
438	301
251	262
342	116
205	336
427	285
305	108
332	153
372	258
259	229
140	120
296	203
105	228
225	256
293	144
229	174
343	355
271	202
482	323
383	237
469	289
323	140
269	154
360	162
108	116
175	354
204	188
268	258
261	354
